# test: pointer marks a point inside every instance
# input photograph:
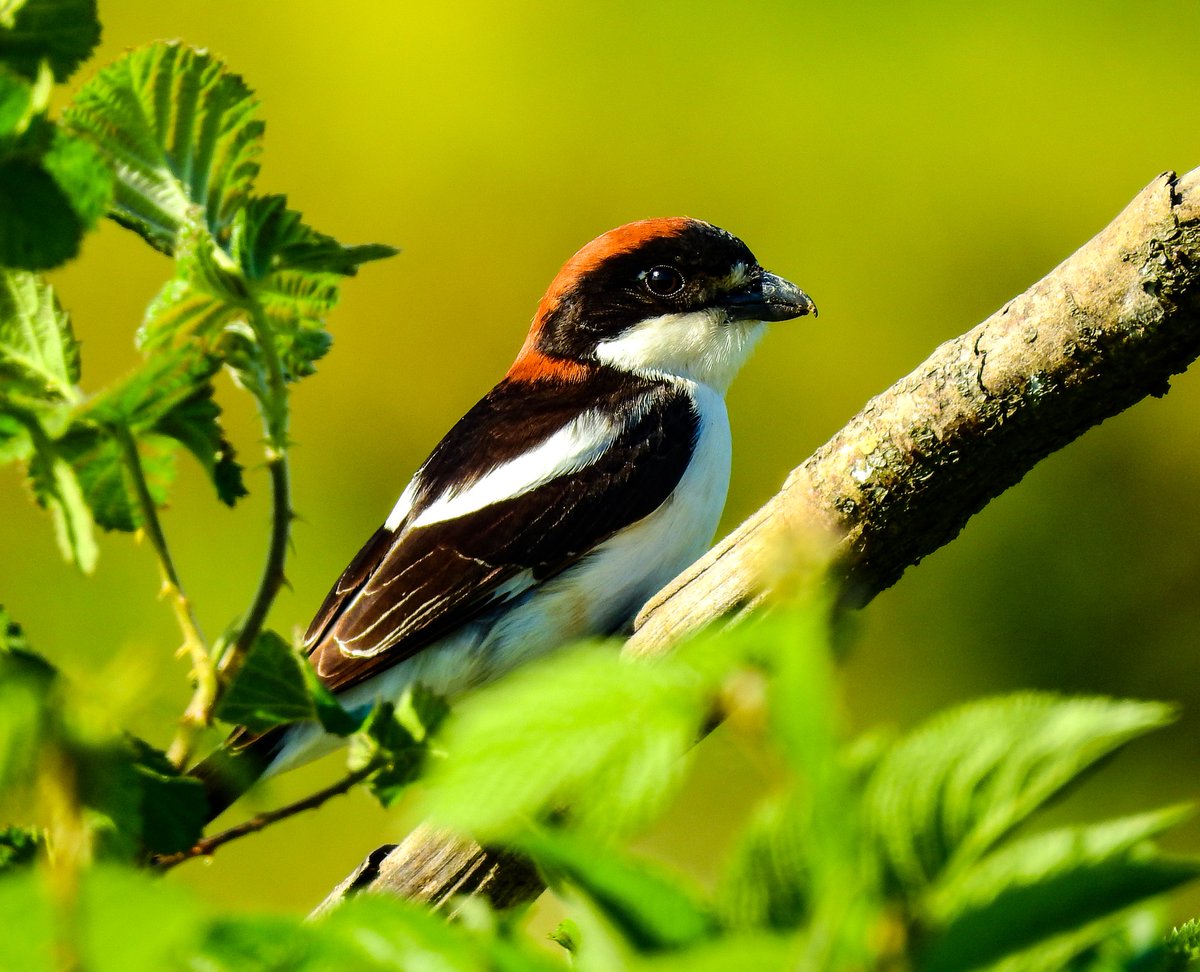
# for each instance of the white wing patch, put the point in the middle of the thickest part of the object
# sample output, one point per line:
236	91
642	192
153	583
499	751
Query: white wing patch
403	506
573	447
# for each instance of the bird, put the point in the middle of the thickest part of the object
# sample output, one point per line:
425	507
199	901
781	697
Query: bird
592	474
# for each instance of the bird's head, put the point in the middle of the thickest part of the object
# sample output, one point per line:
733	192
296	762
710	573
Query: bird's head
661	296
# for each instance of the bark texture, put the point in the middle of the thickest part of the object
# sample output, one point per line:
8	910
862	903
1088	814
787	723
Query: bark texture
1101	331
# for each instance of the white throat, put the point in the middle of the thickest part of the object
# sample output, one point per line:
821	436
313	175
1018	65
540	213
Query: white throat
700	346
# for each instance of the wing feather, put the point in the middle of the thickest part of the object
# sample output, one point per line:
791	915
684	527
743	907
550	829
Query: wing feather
406	589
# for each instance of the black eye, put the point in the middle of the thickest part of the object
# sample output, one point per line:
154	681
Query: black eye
664	281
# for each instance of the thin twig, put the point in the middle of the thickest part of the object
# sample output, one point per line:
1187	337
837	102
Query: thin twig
194	645
207	845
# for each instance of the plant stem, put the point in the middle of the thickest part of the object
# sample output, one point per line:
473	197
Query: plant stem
208	845
272	576
203	673
274	412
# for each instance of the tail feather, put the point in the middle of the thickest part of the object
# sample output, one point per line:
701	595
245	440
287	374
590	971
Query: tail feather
234	766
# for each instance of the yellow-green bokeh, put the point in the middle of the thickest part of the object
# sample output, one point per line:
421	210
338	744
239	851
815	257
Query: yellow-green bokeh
910	164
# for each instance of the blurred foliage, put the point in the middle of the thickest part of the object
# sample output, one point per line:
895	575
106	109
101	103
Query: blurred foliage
911	165
906	858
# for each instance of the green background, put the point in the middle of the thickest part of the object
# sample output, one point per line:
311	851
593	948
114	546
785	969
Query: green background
910	165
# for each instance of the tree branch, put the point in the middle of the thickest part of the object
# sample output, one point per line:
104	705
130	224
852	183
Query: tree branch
208	845
1104	329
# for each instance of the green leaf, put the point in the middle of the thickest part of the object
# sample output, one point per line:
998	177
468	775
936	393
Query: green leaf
107	784
387	742
15	443
38	227
99	463
83	175
566	935
174	808
262	943
802	858
651	910
546	736
179	131
767	883
272	688
327	708
56	488
123	921
61	32
954	788
269	689
1184	940
24	905
373	933
133	922
17	101
39	356
201	300
26	682
296	304
1049	885
194	422
53	188
268	238
760	953
170	397
19	847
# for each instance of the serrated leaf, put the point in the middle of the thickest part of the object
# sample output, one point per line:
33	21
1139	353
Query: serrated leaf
269	689
272	688
39	356
268	238
384	742
99	462
328	709
1184	940
83	175
174	808
652	911
107	784
766	884
57	489
200	301
39	229
951	790
61	32
170	397
1049	885
179	131
15	444
395	739
545	736
194	423
53	188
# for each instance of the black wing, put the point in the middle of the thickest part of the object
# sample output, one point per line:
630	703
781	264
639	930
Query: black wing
406	589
